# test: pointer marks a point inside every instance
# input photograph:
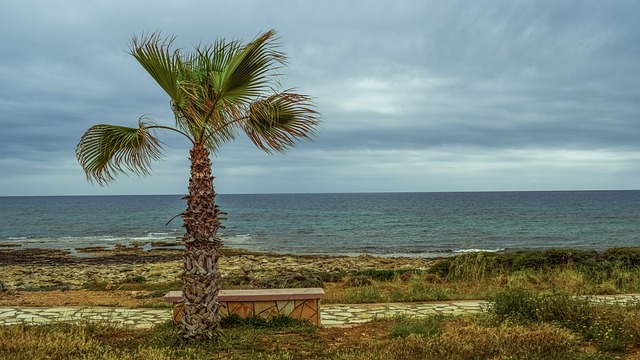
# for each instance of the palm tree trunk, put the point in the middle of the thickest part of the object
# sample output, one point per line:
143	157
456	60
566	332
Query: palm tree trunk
201	279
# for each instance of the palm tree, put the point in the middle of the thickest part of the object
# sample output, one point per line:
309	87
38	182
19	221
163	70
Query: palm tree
215	92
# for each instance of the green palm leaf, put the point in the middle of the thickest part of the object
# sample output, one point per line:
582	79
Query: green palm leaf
250	70
106	150
152	52
172	72
277	122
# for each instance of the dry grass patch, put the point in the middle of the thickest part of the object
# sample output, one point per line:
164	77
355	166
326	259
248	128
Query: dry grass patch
18	342
429	338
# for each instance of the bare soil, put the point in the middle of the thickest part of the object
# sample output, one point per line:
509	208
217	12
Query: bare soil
54	298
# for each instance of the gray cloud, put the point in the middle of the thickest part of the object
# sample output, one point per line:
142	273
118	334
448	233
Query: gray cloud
415	95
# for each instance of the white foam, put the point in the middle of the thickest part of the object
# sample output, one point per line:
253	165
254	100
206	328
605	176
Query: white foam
476	250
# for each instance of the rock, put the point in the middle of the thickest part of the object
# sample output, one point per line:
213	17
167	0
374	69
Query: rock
114	267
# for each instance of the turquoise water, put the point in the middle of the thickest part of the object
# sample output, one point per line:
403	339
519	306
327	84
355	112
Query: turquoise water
414	224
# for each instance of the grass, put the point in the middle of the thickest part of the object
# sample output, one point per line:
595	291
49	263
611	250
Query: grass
467	276
481	275
609	327
427	326
541	310
491	336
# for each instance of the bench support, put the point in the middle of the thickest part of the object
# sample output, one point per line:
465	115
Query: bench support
303	304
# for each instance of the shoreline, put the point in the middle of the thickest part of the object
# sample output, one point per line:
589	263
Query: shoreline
86	251
158	252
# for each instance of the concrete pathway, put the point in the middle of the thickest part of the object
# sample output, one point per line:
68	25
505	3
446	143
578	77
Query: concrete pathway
332	314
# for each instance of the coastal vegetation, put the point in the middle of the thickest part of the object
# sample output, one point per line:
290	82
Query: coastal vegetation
521	324
137	278
467	276
215	91
540	308
480	275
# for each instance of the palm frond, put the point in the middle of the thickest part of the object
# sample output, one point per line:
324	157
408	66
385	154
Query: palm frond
152	52
107	150
250	71
278	121
198	111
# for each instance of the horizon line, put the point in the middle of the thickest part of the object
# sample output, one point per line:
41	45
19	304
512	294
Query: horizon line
340	192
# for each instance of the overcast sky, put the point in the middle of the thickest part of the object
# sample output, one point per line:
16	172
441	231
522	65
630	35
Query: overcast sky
414	95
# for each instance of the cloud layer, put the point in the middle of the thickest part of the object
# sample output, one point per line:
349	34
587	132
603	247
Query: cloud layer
414	95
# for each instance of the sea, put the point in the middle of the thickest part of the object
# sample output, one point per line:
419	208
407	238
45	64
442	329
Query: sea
430	224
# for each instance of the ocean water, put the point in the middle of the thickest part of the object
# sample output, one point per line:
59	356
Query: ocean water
384	224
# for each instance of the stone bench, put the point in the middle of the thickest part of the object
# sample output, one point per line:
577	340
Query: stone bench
303	303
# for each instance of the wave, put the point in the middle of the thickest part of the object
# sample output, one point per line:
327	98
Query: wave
478	250
73	242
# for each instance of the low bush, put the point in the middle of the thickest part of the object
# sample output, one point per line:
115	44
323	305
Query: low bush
627	257
609	327
574	271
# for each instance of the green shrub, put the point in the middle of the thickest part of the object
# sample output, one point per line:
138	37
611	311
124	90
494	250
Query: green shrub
440	268
497	263
477	266
627	257
609	327
525	305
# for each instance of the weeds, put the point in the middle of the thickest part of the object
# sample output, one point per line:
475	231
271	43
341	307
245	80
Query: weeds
608	327
419	291
42	342
429	338
428	326
537	314
364	294
574	271
385	274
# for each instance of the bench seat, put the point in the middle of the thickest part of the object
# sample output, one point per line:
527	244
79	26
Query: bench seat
298	303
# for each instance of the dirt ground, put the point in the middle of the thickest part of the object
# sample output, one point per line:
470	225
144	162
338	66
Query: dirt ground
119	298
58	259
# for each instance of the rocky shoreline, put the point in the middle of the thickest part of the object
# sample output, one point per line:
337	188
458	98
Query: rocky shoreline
47	270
